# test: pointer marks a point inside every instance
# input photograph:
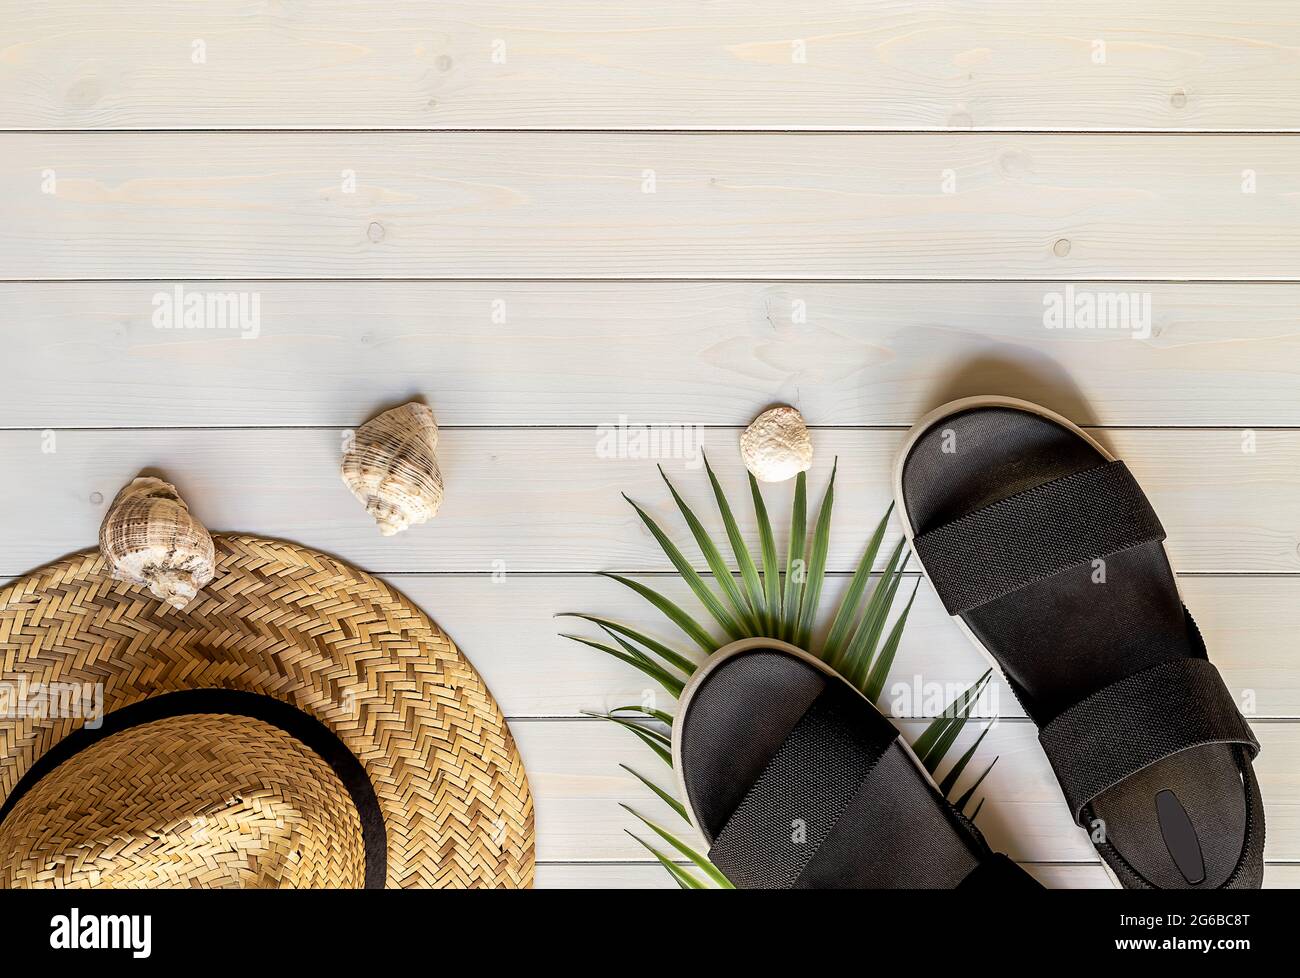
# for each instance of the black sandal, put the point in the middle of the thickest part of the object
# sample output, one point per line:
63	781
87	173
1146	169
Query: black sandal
1045	549
797	782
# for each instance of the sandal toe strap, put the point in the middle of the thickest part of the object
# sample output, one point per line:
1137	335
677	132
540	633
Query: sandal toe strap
806	787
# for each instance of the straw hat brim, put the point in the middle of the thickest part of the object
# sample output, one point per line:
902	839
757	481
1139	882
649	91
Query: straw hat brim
279	627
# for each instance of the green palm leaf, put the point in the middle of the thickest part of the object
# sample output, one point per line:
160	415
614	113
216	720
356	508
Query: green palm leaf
657	736
944	743
663	796
709	869
950	779
935	755
658	648
875	683
796	571
857	657
684	879
693	629
816	565
748	572
713	557
662	676
842	624
656	741
628	647
689	574
940	723
961	803
767	544
660	715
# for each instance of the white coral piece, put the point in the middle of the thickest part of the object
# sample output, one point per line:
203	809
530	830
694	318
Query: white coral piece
776	446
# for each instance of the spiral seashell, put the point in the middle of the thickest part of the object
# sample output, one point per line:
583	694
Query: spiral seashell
391	466
776	446
149	537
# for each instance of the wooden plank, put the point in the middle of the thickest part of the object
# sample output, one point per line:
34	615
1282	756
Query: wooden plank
584	353
546	205
841	64
1281	876
650	876
508	629
577	785
602	876
545	499
1070	876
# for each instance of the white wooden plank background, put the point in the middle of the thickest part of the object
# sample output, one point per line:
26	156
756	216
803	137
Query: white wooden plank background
584	353
827	232
565	205
642	876
730	64
542	499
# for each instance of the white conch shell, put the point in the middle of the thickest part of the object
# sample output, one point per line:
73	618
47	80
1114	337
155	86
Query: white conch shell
391	466
776	445
150	538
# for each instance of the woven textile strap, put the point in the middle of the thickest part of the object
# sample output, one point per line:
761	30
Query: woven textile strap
1130	724
1035	534
790	810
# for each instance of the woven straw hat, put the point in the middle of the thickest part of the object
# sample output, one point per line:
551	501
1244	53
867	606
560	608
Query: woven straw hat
298	724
